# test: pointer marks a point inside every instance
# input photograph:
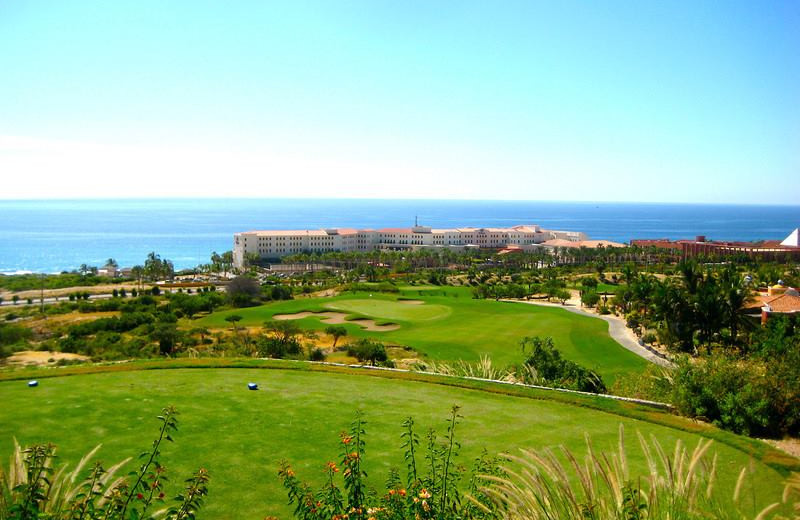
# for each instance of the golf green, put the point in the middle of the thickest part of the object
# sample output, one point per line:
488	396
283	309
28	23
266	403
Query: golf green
240	436
456	327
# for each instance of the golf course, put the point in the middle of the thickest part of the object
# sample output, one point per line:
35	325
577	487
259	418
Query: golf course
240	436
449	325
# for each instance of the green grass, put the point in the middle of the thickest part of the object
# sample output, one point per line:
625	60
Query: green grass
453	327
240	436
392	310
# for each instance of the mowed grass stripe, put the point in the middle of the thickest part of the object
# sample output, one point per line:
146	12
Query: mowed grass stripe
241	436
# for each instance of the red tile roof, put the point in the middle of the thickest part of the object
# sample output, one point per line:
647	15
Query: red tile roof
784	303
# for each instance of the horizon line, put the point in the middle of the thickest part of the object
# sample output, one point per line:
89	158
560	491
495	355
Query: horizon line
399	199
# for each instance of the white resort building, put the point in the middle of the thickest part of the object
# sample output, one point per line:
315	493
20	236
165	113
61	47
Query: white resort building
277	244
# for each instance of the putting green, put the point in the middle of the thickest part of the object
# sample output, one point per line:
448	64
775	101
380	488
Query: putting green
240	436
458	327
392	309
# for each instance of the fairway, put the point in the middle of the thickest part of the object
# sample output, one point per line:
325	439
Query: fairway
455	327
240	436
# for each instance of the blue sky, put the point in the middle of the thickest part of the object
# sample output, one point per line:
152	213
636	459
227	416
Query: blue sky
615	101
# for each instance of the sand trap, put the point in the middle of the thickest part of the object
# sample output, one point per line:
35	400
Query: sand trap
331	318
367	324
411	302
31	357
337	318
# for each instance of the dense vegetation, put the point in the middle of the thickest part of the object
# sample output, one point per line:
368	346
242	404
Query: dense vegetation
28	282
730	370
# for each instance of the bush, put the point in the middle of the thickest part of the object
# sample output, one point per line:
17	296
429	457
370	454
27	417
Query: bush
277	292
757	395
590	298
545	365
368	350
316	354
746	397
11	334
649	338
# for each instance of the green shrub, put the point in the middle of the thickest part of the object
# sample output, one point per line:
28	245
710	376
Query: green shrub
368	350
12	334
316	354
590	298
544	365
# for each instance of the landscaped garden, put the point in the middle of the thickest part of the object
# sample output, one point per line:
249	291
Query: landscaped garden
241	436
449	325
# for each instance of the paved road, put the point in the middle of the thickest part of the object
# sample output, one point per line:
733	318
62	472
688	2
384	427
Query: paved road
616	329
50	300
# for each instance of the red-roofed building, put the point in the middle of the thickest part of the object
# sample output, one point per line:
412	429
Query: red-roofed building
766	249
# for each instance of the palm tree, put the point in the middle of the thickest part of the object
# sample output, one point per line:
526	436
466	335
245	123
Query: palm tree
137	271
734	294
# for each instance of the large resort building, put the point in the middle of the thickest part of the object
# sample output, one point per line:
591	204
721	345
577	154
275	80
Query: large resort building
277	244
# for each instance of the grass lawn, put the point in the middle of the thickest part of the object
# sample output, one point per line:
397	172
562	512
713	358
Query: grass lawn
457	327
240	436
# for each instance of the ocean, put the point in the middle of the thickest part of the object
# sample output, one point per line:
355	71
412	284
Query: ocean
56	235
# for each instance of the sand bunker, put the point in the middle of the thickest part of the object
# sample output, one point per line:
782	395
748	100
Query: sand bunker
29	357
411	302
331	318
337	318
368	324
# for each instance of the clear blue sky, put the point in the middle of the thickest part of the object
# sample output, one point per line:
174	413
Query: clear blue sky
676	101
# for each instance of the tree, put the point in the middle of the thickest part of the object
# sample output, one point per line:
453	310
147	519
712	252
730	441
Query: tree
216	262
281	340
112	263
628	272
227	261
234	319
337	331
167	336
251	259
242	290
368	350
590	298
562	295
735	294
157	268
137	272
